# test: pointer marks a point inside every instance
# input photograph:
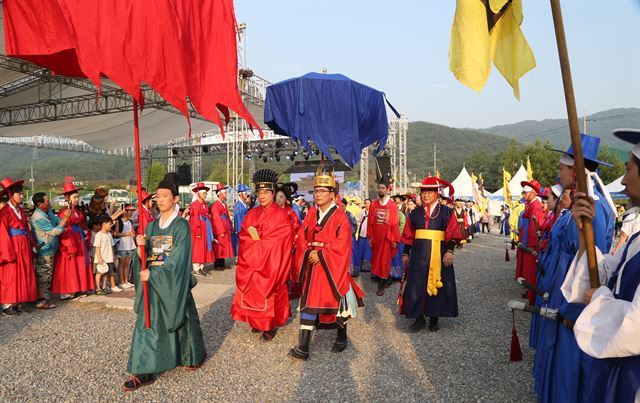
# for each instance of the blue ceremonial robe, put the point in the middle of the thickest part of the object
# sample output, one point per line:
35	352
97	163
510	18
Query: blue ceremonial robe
239	212
563	370
618	379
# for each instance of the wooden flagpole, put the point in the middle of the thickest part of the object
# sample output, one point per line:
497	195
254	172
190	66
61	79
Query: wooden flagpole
141	225
587	226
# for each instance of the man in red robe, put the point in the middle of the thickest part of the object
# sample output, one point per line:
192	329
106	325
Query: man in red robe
264	262
532	218
384	235
202	240
72	270
17	270
222	227
145	216
323	256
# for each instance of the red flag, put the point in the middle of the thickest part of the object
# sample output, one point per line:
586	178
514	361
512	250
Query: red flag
183	50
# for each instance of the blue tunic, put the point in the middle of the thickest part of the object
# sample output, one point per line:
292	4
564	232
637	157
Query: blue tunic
417	303
561	370
618	379
239	212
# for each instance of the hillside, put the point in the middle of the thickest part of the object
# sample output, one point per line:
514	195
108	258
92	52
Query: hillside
453	147
600	124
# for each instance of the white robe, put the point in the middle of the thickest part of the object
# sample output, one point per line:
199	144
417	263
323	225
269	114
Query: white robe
608	327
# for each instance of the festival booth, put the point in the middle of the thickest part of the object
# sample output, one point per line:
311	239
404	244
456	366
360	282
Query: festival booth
616	189
496	199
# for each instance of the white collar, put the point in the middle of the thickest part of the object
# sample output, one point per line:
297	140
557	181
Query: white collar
169	221
322	214
384	201
15	210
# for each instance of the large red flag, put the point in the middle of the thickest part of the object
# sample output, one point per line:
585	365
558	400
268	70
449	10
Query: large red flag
183	50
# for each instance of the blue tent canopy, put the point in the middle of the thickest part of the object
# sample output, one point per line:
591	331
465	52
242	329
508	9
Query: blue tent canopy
331	110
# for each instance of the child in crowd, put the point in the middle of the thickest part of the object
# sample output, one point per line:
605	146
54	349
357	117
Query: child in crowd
125	233
103	245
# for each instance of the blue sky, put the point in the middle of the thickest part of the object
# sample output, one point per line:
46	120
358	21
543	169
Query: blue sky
401	47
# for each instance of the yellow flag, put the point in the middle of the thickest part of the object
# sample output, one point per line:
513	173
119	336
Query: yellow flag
529	170
506	192
486	31
478	197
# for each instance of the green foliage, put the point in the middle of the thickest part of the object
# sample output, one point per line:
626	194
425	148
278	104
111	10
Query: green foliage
612	156
156	173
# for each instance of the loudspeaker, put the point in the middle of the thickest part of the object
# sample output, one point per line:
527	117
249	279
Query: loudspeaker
383	166
184	175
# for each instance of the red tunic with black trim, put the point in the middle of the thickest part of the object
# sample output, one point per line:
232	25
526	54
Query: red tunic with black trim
383	230
202	250
72	270
261	298
17	271
525	262
222	229
325	283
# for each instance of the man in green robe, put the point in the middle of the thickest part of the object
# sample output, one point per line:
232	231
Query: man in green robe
175	337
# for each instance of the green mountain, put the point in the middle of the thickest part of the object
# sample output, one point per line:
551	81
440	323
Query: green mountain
453	148
600	124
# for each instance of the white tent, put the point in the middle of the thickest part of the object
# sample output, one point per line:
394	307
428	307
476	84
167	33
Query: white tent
615	186
514	184
462	185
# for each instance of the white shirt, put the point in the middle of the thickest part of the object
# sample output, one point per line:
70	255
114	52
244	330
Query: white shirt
15	210
631	223
126	242
321	213
384	201
362	222
608	327
103	242
169	221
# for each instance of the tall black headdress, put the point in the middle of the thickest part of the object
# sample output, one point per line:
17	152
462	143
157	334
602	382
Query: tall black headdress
170	181
265	178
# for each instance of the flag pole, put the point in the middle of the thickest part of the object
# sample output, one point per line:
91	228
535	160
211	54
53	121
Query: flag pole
587	226
142	251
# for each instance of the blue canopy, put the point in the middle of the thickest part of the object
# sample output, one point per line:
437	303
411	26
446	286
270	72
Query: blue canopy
331	110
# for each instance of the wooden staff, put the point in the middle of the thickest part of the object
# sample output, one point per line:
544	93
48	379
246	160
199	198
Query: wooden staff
586	234
142	251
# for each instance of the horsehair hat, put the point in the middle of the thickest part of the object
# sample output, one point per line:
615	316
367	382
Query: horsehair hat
590	145
631	136
170	181
324	177
8	184
265	178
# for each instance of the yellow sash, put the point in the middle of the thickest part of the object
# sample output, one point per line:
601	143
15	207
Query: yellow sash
435	263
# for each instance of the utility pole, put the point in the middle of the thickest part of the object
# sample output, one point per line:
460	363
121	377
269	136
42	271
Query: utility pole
435	156
584	123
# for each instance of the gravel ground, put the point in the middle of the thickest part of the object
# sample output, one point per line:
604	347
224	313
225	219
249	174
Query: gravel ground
79	351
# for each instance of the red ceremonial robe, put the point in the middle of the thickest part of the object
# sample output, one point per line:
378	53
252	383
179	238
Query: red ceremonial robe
525	262
17	271
261	298
202	250
325	283
72	270
382	230
222	229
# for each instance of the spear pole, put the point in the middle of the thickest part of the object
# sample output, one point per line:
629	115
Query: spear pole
586	234
142	251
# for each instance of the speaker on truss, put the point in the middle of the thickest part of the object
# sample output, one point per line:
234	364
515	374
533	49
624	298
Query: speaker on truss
383	167
184	175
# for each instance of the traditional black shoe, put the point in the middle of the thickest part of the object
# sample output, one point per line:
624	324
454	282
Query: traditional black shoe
433	325
255	330
301	351
137	381
381	287
418	325
268	336
11	311
341	340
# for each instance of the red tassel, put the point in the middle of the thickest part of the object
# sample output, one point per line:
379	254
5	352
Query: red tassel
506	254
515	354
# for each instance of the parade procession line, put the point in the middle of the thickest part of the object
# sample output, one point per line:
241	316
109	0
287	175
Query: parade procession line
78	351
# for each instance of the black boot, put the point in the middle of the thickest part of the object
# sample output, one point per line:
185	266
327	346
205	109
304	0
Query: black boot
269	335
341	340
418	325
381	287
433	324
301	351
